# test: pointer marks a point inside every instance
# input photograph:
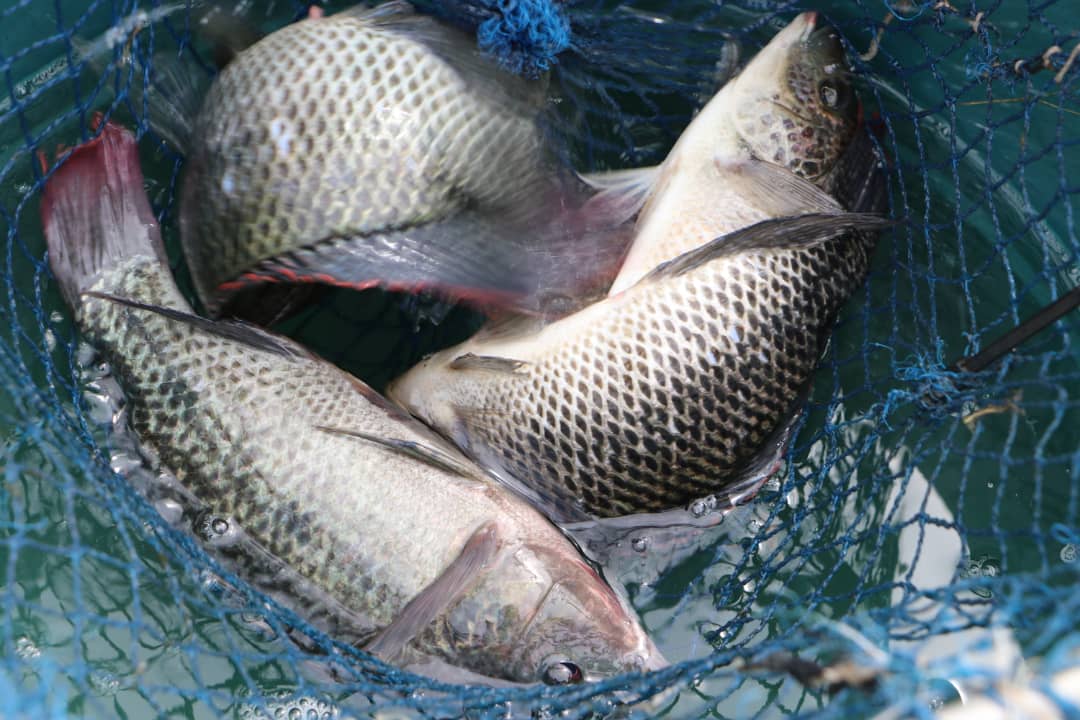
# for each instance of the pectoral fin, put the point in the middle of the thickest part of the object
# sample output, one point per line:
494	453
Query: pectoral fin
777	191
520	263
622	193
440	595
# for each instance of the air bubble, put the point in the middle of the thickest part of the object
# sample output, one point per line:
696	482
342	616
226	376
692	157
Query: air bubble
984	567
704	506
104	683
170	511
640	544
216	531
1069	553
123	463
99	407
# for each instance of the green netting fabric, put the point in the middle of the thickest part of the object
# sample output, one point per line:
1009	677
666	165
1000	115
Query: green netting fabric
926	526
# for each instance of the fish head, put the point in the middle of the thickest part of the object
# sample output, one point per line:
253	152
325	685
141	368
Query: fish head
794	104
577	629
541	614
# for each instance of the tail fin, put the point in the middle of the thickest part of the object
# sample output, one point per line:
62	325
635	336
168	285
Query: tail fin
96	214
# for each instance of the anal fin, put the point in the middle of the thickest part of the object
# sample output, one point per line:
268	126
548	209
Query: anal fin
437	597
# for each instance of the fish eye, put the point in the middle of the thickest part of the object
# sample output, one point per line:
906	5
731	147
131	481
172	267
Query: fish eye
563	672
834	96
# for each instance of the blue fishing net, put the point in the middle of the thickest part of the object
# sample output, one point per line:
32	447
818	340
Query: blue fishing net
922	540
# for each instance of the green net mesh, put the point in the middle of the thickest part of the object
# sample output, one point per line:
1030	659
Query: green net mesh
926	527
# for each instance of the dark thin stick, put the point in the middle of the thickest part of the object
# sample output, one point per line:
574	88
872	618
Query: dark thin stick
1022	332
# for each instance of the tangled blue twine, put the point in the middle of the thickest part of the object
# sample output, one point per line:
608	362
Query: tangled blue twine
525	35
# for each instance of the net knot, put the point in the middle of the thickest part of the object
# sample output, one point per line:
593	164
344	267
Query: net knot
525	35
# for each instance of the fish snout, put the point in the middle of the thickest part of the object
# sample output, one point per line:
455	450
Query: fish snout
823	42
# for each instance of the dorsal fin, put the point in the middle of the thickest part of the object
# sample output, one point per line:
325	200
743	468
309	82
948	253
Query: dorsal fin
785	233
622	193
238	332
489	363
408	448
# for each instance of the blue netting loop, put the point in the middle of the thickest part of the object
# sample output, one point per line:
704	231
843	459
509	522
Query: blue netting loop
525	35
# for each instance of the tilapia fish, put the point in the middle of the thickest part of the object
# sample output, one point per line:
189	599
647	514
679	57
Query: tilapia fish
672	387
430	558
373	147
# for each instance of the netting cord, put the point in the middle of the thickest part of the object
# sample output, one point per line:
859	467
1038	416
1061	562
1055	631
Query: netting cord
1019	334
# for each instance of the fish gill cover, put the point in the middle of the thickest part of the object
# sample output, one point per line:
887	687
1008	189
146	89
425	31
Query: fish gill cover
924	530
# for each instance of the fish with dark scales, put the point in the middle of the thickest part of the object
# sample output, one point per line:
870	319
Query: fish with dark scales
433	561
672	387
377	147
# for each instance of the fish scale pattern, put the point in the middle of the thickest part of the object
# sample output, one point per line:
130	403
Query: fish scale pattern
663	399
926	523
293	165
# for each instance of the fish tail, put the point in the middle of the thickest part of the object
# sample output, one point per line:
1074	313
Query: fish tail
95	212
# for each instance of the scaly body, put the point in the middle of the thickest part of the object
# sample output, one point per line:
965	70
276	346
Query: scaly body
666	391
334	142
428	555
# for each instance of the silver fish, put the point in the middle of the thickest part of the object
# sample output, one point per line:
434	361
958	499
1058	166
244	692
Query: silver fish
670	388
431	558
373	147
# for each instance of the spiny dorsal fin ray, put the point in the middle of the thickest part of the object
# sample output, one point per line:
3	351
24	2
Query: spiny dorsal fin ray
489	363
784	233
408	448
233	331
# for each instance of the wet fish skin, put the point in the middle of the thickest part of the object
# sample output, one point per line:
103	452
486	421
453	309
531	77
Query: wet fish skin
241	416
670	388
334	137
651	398
772	111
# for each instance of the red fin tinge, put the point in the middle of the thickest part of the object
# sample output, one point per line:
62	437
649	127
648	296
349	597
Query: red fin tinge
476	297
95	212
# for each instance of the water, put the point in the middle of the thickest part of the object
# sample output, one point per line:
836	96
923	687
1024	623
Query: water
918	510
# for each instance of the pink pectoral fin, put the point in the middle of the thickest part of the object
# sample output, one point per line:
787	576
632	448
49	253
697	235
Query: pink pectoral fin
439	596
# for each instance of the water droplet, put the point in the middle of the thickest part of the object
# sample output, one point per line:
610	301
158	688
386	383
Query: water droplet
170	510
703	506
85	354
1069	553
216	531
640	544
50	340
123	463
104	683
26	649
749	586
56	316
792	499
984	567
99	407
